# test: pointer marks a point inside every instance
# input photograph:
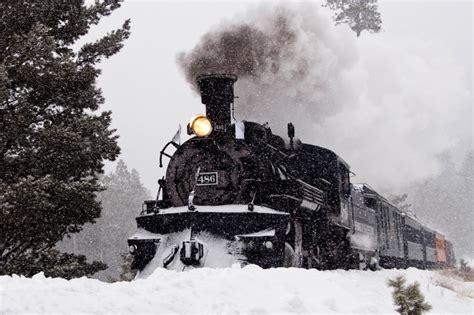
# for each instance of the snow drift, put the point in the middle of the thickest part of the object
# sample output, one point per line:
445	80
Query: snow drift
231	290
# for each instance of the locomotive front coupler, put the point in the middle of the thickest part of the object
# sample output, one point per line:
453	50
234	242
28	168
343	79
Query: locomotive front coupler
191	252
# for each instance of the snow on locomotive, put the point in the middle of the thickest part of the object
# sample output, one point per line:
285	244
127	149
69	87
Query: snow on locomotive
237	193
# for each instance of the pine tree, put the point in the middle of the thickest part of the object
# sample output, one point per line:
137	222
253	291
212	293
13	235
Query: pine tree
464	266
106	240
416	300
3	82
360	15
409	299
127	274
53	141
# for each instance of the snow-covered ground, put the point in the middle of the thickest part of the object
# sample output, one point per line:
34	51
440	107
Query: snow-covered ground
249	290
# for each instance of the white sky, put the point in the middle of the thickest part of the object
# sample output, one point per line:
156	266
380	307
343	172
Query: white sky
148	94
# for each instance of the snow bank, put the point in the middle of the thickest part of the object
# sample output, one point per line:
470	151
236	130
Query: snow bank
231	290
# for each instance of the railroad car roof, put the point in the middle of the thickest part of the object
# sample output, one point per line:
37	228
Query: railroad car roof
331	153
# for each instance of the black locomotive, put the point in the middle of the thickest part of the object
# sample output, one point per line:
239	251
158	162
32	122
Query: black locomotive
237	193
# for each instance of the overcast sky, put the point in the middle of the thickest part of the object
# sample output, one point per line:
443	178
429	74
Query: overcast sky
149	96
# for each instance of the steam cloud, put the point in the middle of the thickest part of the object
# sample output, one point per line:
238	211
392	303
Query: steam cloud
388	107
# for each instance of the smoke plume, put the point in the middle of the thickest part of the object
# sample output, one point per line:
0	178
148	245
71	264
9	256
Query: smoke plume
241	49
389	107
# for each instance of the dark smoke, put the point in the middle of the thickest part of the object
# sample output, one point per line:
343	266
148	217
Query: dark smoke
280	60
241	49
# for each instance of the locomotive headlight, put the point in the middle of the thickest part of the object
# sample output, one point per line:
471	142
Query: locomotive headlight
200	125
268	244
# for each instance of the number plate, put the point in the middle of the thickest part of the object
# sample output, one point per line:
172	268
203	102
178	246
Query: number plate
209	178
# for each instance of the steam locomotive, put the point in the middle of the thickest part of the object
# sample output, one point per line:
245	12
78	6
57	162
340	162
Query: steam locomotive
237	193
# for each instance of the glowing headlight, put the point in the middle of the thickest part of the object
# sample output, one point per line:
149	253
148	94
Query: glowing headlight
200	125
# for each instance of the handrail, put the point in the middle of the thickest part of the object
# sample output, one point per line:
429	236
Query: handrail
162	152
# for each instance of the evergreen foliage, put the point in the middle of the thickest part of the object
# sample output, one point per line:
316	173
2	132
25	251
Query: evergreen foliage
106	240
3	82
53	141
409	299
464	266
56	264
464	271
360	15
127	274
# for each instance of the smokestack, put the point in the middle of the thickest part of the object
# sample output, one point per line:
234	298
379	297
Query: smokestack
217	93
